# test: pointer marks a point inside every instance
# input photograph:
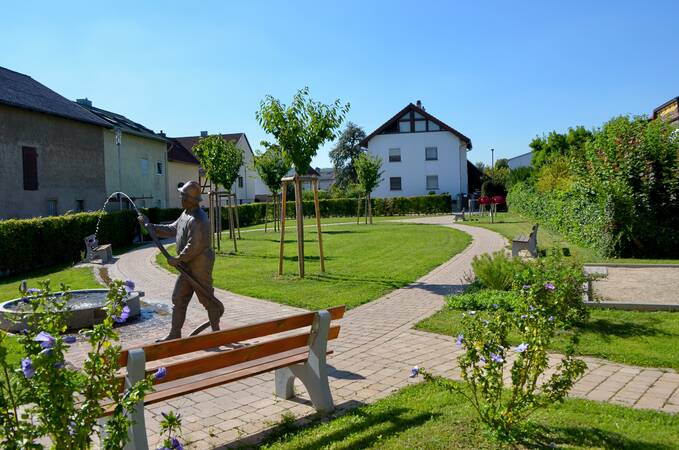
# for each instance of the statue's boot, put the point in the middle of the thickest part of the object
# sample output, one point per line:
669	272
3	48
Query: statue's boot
214	314
178	318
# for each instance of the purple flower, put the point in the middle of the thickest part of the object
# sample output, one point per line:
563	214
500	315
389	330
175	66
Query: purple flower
47	352
521	348
70	339
27	367
550	286
176	445
496	358
460	337
124	315
496	306
128	285
414	372
160	373
526	287
482	359
551	318
45	339
523	316
33	291
71	428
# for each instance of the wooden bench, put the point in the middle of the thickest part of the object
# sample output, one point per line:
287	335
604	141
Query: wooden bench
292	355
458	216
94	250
523	242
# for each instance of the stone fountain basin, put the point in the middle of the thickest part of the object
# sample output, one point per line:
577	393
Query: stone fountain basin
85	309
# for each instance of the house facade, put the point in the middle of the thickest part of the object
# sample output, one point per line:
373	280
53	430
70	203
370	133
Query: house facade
51	151
524	160
135	159
420	154
245	186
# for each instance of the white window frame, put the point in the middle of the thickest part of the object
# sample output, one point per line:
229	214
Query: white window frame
436	177
395	156
144	163
426	155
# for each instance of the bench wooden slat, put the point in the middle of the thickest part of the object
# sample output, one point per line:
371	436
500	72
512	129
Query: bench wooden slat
191	344
234	373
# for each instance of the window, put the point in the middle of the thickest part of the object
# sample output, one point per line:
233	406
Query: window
51	207
240	182
395	183
30	166
420	125
431	153
159	168
394	155
80	205
404	126
144	166
433	126
432	182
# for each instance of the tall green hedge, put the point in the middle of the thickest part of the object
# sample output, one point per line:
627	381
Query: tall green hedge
28	244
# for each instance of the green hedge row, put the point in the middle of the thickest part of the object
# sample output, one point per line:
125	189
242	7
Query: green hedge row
580	218
27	244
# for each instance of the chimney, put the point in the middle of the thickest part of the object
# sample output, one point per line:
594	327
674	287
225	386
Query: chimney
162	133
203	134
84	102
419	104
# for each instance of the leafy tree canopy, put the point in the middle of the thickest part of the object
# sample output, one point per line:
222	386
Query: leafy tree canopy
554	145
344	154
368	171
221	159
271	167
302	127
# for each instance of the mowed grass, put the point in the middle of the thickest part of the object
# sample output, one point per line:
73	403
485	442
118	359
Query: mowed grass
646	339
511	225
426	416
73	277
310	222
362	263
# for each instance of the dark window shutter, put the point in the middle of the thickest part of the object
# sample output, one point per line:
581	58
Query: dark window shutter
30	160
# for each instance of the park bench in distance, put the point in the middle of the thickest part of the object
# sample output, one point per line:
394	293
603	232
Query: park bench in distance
523	242
299	355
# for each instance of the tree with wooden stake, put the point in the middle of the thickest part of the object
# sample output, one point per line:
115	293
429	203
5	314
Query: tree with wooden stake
300	129
221	160
369	177
271	167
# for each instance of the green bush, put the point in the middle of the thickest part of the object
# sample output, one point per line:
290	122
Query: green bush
496	271
485	299
27	244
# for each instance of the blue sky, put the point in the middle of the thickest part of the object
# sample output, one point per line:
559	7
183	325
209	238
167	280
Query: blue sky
499	72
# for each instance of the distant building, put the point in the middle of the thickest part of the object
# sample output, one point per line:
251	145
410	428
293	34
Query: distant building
326	178
51	151
247	185
420	154
668	111
182	166
524	160
135	159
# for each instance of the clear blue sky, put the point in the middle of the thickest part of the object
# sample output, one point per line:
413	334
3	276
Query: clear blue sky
499	72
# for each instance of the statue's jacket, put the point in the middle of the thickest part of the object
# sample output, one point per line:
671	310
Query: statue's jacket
192	233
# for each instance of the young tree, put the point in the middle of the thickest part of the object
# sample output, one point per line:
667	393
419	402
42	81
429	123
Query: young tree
300	129
271	167
221	160
369	177
344	155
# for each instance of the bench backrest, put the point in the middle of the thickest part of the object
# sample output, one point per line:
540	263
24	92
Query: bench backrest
219	360
534	233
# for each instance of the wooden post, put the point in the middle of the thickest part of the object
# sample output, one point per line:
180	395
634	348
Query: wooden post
266	215
366	209
212	218
235	210
358	209
318	223
232	233
218	224
283	202
299	213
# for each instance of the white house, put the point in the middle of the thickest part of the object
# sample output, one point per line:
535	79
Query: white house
524	160
420	154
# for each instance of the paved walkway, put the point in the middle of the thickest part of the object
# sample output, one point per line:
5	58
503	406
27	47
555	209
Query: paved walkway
373	356
639	284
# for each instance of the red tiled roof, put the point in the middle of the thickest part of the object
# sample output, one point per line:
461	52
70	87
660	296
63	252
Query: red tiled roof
189	141
177	152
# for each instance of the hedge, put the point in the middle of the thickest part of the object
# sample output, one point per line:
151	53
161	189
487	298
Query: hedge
27	244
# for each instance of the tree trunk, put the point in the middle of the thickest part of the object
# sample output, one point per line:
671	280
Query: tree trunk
318	224
282	243
370	209
300	225
232	232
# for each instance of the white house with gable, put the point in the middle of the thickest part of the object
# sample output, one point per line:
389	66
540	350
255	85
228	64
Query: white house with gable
420	154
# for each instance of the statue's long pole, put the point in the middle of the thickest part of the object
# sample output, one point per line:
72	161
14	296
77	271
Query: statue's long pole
184	271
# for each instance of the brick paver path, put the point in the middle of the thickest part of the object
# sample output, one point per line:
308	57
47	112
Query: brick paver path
373	356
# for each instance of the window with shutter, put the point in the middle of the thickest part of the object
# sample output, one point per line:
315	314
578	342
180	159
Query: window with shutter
30	166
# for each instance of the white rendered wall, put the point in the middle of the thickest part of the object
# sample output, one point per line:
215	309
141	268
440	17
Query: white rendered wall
451	166
520	161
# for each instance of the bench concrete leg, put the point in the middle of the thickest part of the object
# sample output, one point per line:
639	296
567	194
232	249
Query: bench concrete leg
517	247
314	373
136	362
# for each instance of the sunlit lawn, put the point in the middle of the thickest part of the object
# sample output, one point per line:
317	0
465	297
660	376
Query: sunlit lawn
426	416
73	277
362	263
631	337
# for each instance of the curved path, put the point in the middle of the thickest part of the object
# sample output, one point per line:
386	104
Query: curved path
373	356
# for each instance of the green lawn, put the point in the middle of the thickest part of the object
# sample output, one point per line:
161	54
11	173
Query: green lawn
311	221
631	337
362	263
14	350
74	277
511	225
426	416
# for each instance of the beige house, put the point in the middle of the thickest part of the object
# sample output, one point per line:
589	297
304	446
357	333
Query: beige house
135	159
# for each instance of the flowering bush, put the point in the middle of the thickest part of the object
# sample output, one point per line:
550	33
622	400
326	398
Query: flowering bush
45	397
171	426
484	299
496	271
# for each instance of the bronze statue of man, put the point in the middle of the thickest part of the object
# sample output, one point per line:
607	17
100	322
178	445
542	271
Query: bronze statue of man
194	254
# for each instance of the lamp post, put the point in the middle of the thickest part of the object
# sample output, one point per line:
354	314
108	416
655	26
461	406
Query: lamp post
492	163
